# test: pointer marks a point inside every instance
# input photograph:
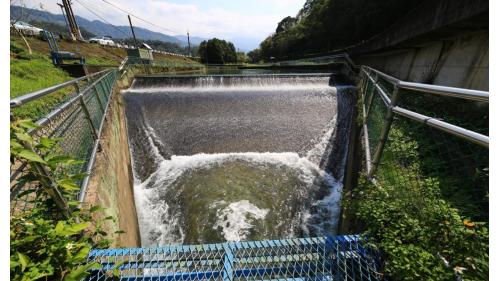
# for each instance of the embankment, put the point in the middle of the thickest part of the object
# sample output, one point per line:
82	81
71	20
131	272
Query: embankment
111	183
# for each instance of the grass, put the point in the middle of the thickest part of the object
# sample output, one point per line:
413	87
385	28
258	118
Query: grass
33	72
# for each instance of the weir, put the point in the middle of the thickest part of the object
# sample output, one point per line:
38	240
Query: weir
239	177
231	158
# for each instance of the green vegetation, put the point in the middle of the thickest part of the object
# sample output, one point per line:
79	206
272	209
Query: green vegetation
326	25
421	235
44	244
217	51
29	73
100	61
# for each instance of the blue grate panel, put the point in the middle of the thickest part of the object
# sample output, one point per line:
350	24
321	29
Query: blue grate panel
321	258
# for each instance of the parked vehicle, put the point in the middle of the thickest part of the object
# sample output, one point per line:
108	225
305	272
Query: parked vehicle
104	40
27	28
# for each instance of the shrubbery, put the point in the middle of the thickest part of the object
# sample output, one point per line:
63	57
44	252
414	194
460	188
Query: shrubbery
420	235
44	243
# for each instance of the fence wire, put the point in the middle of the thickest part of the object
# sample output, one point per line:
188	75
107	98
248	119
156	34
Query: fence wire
425	169
322	258
76	130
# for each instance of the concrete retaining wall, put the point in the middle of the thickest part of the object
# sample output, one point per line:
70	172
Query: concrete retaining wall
457	62
111	183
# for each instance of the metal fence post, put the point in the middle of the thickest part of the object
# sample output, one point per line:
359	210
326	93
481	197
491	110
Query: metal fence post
96	92
89	118
369	104
389	117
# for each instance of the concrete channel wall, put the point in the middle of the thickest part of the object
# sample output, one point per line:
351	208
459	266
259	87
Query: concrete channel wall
111	184
460	62
440	42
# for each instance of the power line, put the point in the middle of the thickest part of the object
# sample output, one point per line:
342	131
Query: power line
104	20
139	18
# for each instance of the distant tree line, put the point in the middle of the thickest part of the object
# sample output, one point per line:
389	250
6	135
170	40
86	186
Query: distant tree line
217	51
325	25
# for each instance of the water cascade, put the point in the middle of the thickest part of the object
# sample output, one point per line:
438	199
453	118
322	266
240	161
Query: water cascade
230	158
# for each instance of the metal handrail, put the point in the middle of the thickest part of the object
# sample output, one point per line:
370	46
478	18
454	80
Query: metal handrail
439	90
15	102
446	91
443	126
54	113
462	93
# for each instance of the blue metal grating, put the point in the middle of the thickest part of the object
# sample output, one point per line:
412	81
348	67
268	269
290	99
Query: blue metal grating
322	258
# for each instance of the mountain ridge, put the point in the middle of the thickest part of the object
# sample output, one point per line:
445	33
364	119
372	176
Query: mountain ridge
100	28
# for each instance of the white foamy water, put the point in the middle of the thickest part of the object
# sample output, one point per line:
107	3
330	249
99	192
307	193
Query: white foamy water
158	227
239	88
235	220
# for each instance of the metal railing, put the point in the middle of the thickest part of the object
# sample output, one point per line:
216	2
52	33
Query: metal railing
77	123
426	153
376	79
316	258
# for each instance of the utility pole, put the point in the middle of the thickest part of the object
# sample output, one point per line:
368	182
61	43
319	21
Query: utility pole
74	30
133	33
65	19
189	45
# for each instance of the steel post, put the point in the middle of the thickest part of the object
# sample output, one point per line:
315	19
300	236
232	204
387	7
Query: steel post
389	117
89	118
96	92
370	98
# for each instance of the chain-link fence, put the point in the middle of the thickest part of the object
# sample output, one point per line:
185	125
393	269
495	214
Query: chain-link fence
426	162
322	258
76	123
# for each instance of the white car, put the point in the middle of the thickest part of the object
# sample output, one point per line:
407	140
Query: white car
104	40
27	28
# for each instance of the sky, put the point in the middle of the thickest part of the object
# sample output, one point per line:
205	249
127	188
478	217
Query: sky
244	22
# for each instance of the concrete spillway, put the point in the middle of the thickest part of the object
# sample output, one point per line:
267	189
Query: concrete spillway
220	158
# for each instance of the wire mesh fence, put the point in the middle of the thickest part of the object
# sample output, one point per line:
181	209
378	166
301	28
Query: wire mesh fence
76	124
434	178
322	258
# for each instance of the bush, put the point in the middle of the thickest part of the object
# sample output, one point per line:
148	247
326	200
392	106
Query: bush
44	243
420	235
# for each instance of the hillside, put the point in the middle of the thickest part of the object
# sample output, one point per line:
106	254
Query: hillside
326	25
98	27
33	72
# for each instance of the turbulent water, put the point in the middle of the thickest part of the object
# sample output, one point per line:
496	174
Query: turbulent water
223	158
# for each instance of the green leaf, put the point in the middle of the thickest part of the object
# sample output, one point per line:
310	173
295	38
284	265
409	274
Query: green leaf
28	124
24	137
69	186
23	260
46	142
81	272
96	209
78	227
59	228
81	255
30	155
116	271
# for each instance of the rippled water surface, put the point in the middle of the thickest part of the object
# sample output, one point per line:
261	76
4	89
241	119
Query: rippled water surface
234	158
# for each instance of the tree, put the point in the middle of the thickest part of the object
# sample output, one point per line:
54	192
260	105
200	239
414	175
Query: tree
285	24
217	51
254	55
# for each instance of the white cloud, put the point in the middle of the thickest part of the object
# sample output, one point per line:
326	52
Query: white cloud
212	22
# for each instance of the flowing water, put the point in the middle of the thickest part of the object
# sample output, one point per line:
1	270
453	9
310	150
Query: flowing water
220	158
